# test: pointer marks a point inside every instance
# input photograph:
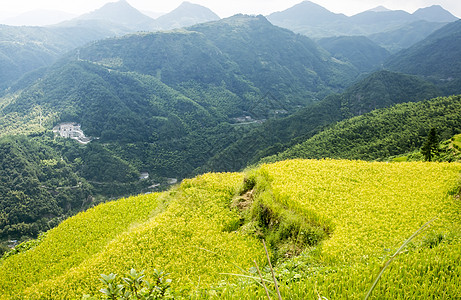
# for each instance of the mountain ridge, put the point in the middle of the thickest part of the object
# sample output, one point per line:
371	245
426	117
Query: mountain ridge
366	23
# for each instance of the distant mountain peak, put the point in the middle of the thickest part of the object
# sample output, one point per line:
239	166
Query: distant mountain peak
120	12
186	14
305	13
379	9
435	13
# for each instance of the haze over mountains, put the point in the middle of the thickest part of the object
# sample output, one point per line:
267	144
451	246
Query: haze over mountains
315	21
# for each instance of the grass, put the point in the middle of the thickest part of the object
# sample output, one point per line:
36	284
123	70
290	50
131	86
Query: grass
365	211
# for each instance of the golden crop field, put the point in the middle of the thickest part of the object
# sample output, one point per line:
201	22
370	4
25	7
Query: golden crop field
192	232
374	205
180	239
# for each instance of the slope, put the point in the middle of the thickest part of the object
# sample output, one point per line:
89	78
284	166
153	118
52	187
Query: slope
315	21
165	101
37	188
405	36
198	216
288	66
310	19
360	51
24	49
437	58
192	233
381	133
186	14
380	89
120	13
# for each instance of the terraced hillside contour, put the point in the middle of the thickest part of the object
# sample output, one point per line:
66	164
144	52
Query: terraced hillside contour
198	230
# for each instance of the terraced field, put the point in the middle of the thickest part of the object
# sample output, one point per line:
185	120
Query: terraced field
330	226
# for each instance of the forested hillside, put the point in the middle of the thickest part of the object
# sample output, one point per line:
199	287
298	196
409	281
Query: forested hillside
153	109
360	51
24	49
382	133
38	188
437	58
168	101
381	89
405	36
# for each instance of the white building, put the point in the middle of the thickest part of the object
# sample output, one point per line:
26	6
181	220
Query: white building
71	130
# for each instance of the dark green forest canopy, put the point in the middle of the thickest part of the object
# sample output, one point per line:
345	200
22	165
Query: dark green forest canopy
382	133
381	89
437	58
177	97
37	187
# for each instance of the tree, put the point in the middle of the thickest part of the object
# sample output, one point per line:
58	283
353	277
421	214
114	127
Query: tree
430	147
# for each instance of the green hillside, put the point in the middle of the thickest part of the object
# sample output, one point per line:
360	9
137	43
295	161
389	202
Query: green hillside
38	188
381	89
436	58
329	225
405	36
45	180
360	51
168	101
383	132
24	49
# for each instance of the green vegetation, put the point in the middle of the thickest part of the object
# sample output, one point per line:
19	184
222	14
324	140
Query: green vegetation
38	188
436	58
221	96
134	286
29	48
405	36
382	133
448	150
168	114
47	179
209	224
430	147
360	51
381	89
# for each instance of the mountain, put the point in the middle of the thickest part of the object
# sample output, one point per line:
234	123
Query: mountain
405	36
305	13
120	13
179	97
381	89
38	18
27	48
435	13
438	58
370	22
187	14
360	51
23	49
379	9
299	66
382	133
317	22
309	19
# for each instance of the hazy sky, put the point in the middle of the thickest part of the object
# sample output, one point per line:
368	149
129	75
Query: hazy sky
225	8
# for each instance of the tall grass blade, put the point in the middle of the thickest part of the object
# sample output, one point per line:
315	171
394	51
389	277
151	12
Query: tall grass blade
395	255
262	280
272	271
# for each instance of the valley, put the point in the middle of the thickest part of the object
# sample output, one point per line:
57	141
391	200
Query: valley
181	143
